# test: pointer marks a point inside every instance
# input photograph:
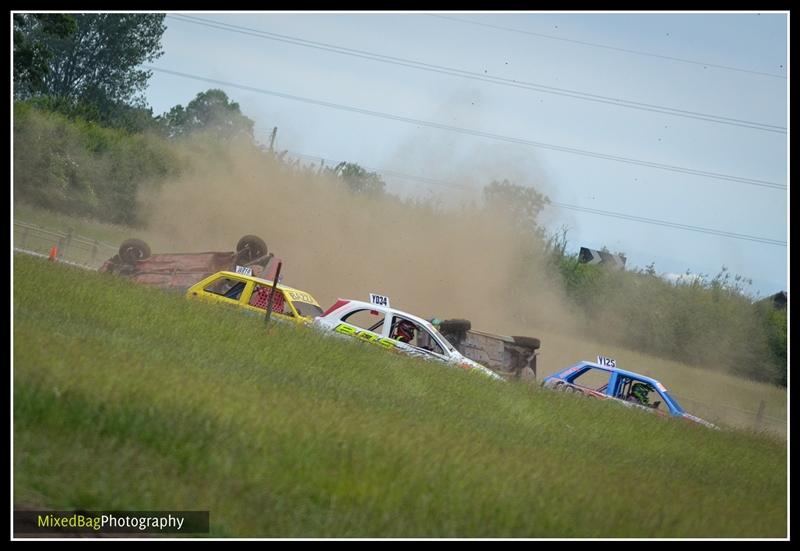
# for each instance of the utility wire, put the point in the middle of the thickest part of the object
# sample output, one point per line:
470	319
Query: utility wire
625	50
480	133
484	77
619	215
665	223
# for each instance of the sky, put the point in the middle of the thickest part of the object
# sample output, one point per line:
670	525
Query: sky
533	122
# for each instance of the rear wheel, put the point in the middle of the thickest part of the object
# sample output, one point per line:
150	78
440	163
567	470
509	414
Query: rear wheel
455	326
132	250
249	248
528	342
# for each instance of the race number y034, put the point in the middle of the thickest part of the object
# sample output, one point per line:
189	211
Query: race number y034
379	300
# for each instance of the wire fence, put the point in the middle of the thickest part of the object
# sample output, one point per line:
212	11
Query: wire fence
69	246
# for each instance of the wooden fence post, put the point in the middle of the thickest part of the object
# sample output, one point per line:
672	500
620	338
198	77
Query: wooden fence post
760	415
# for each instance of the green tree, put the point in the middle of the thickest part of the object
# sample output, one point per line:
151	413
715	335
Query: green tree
99	63
210	111
31	54
521	204
358	179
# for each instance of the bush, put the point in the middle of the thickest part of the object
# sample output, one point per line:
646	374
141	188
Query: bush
81	168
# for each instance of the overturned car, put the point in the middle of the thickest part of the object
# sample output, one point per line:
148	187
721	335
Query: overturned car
180	271
514	357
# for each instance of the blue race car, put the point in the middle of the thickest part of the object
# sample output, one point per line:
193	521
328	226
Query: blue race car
604	380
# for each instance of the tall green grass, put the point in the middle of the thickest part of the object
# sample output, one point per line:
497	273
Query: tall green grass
130	398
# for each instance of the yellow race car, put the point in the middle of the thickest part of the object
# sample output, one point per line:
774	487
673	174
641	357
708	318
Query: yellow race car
252	293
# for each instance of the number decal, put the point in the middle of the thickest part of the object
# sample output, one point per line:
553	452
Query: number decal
364	335
607	362
302	297
244	270
380	300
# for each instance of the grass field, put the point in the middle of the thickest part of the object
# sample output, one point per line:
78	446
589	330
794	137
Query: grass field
131	398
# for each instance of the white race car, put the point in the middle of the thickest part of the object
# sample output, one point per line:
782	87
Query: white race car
376	322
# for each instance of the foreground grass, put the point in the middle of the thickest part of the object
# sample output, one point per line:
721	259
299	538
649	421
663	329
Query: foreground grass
130	398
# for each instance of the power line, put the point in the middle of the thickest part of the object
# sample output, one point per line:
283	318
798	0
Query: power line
576	94
480	133
668	224
619	215
625	50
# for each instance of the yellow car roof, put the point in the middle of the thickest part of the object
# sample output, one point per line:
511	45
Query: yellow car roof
267	282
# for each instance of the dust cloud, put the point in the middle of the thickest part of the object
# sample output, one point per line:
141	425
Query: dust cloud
457	261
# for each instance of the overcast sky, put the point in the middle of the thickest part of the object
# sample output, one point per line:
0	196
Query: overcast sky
730	68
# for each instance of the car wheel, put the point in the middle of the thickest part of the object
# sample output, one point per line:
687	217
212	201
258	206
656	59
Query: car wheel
455	326
528	342
132	250
249	248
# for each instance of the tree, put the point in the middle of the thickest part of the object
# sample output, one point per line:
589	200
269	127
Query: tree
358	179
522	204
97	64
31	56
209	111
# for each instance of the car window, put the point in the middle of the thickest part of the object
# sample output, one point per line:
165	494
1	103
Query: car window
261	295
372	320
226	287
405	330
425	340
658	402
306	309
596	379
641	393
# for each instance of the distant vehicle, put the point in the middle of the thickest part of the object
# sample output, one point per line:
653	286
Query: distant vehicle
252	294
605	380
603	258
182	270
378	323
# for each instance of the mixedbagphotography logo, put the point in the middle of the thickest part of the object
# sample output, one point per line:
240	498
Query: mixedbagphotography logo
111	522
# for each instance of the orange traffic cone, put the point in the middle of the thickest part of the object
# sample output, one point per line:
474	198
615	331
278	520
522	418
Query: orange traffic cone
53	254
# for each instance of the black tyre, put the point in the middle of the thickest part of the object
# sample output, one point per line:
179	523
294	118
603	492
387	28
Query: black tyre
455	326
249	248
528	342
132	250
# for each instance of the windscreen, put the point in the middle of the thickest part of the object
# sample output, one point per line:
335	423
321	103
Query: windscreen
307	310
449	346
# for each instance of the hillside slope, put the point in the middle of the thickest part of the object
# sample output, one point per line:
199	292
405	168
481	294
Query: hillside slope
132	398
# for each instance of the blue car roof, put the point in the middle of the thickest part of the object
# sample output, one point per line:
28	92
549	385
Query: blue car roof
674	406
639	376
